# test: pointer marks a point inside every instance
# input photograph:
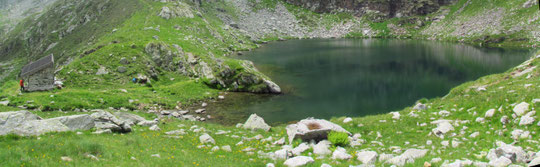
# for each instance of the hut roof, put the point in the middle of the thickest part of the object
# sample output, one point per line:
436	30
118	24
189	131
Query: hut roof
38	65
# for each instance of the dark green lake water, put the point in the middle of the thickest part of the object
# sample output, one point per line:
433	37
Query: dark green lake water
357	77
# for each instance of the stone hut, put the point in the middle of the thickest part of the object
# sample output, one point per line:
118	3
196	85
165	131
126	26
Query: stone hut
39	75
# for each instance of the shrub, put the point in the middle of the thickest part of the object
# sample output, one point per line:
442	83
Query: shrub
338	138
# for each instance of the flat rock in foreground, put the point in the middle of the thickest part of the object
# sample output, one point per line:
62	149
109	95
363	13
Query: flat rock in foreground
312	129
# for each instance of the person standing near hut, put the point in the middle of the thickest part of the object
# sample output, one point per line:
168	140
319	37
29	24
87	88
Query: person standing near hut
21	83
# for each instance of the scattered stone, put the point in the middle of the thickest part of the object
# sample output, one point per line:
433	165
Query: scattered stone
444	113
474	135
367	157
102	131
443	126
521	108
155	155
67	159
520	134
490	113
527	119
205	138
270	165
500	162
204	104
480	120
385	157
255	122
420	106
341	154
200	111
121	69
298	161
322	148
215	148
221	97
504	120
280	141
300	149
176	132
325	165
347	120
395	115
226	148
155	128
408	156
535	161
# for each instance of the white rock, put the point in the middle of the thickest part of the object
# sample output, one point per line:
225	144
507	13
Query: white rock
442	127
385	157
429	142
521	108
221	97
515	154
436	160
341	154
67	159
300	149
280	141
445	143
444	113
154	128
480	164
214	149
226	148
367	157
255	122
205	138
520	134
408	156
298	161
490	113
455	143
395	115
420	106
322	148
325	165
270	165
347	120
480	119
474	135
535	161
500	162
526	120
155	155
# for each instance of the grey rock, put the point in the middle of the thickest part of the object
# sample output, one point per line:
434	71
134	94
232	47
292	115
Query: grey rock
341	154
312	129
121	69
77	122
443	126
298	161
154	128
535	161
226	148
255	122
102	131
205	138
489	113
322	148
521	108
367	157
408	156
500	162
106	120
131	119
11	120
515	154
420	106
38	127
176	132
300	149
272	87
4	103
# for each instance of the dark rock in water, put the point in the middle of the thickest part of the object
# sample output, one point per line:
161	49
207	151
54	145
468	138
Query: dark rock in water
122	69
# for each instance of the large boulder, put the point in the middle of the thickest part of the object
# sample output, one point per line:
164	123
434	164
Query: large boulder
312	129
38	127
255	122
76	122
105	120
11	120
521	108
515	154
131	119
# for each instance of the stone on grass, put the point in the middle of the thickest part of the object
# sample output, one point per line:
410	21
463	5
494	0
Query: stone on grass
38	127
67	159
500	162
300	149
156	155
489	113
280	141
347	120
322	148
420	106
102	131
385	157
325	165
298	161
474	135
226	148
77	122
176	132
205	138
527	119
154	128
106	120
443	126
395	115
515	154
408	156
270	165
312	129
341	154
255	122
521	108
535	161
367	157
9	121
